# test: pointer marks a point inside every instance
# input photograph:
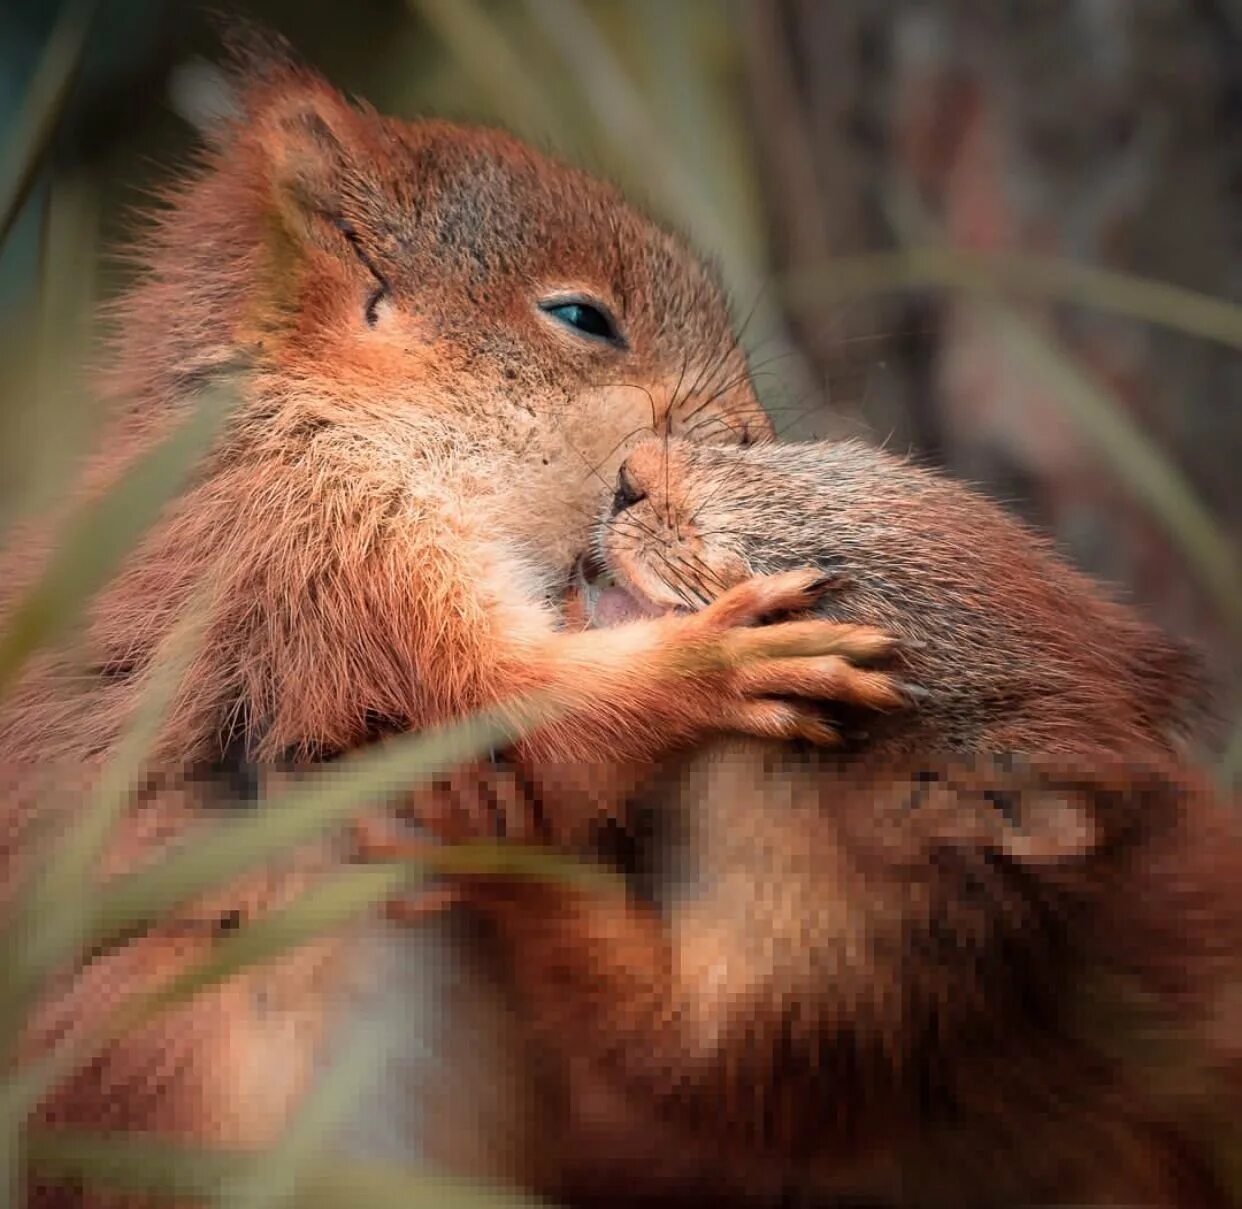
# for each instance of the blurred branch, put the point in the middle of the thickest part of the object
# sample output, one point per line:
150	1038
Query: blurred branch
932	267
43	103
1101	417
496	70
623	117
1149	474
103	533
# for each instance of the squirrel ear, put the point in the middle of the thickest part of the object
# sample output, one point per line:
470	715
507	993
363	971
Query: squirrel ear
1055	825
306	130
306	138
1175	675
253	51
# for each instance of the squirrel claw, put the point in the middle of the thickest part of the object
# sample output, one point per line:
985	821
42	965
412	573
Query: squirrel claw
826	678
781	720
748	603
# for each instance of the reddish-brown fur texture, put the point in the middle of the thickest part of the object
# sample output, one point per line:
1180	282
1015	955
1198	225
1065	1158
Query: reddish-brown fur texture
878	985
932	971
386	525
1016	650
409	478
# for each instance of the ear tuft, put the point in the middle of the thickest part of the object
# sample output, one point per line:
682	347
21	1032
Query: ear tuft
254	53
308	163
314	145
302	125
1178	683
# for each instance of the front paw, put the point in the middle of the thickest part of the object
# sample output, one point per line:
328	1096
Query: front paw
758	675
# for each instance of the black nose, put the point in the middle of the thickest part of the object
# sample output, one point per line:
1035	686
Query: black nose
628	492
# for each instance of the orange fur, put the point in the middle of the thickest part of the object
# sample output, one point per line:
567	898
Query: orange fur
899	972
386	526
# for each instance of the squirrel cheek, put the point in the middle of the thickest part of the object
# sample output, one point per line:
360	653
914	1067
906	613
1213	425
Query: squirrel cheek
727	568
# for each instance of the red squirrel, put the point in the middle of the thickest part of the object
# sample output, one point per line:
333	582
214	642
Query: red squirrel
903	973
448	342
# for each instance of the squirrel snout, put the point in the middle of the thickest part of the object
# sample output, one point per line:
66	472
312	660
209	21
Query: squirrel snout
628	492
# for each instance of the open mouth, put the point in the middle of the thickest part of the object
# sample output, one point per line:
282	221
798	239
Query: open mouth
601	602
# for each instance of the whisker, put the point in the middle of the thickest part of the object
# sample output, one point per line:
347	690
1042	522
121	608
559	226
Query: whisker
624	524
695	589
587	463
751	372
675	402
758	411
668	429
794	414
629	436
675	582
715	494
703	570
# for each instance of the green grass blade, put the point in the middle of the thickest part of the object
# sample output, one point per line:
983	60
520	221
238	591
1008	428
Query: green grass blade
623	118
25	145
49	924
328	798
494	68
1136	461
12	1176
49	416
313	914
135	1165
271	1179
316	912
20	1091
931	267
103	533
353	892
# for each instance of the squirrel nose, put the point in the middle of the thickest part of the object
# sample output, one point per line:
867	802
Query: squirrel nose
628	492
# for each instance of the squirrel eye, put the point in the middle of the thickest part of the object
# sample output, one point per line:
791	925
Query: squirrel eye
590	318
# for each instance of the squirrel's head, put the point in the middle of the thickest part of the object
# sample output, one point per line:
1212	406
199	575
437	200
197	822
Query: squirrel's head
994	619
419	281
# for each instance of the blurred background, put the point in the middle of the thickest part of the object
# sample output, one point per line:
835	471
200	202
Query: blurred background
1003	237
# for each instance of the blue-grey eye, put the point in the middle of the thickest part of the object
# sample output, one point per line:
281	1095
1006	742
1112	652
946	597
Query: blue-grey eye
589	318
